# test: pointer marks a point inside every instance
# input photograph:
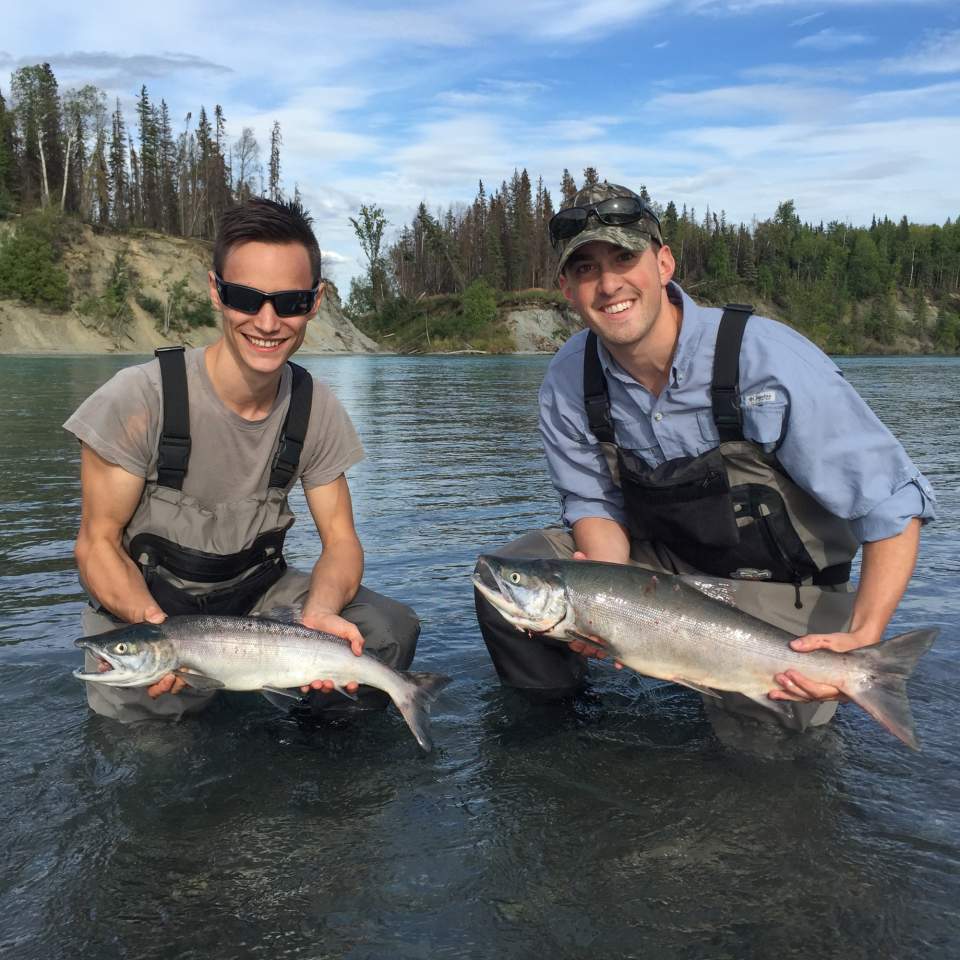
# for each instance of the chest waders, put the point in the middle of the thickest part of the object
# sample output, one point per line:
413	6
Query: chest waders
731	512
182	571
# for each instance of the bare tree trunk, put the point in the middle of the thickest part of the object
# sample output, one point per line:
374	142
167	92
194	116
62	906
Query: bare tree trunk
66	174
43	168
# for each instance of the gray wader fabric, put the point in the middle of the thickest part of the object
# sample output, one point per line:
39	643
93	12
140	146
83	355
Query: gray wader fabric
389	628
550	668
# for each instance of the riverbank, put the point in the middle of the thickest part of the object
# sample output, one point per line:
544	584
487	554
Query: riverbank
164	284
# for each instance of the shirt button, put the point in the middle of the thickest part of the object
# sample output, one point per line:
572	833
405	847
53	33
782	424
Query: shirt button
658	416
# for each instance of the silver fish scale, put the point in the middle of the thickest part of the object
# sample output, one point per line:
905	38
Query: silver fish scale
650	622
250	652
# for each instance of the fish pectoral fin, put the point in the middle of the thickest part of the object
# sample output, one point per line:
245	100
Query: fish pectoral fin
293	694
699	687
343	690
197	680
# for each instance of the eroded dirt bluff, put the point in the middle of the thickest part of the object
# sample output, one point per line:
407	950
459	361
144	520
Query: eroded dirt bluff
157	261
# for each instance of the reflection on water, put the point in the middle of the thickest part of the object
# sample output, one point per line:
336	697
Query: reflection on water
615	824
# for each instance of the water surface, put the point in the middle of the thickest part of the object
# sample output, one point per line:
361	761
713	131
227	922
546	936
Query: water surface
618	826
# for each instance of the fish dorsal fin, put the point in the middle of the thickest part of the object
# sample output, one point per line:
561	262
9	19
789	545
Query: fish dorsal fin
283	613
716	588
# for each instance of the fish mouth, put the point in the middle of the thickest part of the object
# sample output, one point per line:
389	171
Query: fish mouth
485	580
503	597
105	663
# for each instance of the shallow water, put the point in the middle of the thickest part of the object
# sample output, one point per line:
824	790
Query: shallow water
617	826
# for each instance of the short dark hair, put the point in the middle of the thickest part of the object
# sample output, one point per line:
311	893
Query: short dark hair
266	221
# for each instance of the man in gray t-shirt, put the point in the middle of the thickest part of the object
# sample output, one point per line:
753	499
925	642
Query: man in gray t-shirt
176	524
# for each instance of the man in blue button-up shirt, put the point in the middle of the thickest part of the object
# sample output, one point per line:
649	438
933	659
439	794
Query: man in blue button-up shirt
656	348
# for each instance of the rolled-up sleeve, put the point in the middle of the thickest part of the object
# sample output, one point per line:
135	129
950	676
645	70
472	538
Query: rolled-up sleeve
577	466
914	499
834	445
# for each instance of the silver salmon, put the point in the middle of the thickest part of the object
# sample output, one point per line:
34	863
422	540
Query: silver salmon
253	653
688	631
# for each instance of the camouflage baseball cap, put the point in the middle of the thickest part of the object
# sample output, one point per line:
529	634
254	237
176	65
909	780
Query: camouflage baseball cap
631	236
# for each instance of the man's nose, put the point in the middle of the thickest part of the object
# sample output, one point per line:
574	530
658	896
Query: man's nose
610	279
267	319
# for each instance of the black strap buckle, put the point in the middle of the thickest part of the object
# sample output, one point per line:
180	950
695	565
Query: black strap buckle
174	454
285	461
599	418
726	408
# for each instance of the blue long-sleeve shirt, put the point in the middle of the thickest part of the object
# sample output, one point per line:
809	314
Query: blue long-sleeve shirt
794	400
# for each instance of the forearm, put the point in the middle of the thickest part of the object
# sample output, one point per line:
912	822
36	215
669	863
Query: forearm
885	572
602	539
335	579
112	578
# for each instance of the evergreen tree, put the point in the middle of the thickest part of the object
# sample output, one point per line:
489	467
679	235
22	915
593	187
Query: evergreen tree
568	187
119	178
151	198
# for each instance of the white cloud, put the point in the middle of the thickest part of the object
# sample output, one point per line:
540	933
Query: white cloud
750	101
803	21
830	39
938	53
856	72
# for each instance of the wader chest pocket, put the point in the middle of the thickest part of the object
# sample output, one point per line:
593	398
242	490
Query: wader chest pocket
686	499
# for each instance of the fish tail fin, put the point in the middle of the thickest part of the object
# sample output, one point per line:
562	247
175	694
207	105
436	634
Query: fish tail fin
414	702
884	693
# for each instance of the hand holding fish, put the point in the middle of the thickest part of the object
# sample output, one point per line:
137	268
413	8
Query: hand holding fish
330	622
801	689
168	683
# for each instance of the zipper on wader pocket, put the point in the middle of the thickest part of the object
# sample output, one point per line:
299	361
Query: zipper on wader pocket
774	546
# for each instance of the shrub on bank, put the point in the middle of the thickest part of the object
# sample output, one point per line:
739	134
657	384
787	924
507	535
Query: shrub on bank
30	258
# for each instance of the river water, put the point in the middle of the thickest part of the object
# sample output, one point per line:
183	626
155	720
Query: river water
617	827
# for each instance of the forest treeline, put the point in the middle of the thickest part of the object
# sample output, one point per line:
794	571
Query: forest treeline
847	287
71	153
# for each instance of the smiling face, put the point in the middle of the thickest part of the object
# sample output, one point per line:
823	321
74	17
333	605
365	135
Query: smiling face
263	342
620	294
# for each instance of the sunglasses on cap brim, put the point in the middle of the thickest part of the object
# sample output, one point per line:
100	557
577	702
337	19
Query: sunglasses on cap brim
614	212
286	303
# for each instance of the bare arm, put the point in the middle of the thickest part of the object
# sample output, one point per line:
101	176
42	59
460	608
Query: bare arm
884	574
337	573
601	539
110	496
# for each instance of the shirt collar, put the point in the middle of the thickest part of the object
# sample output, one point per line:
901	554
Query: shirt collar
692	329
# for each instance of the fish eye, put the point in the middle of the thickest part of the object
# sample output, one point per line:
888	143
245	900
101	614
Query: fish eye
120	647
515	577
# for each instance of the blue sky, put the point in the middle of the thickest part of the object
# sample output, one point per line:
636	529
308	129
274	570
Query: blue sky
849	107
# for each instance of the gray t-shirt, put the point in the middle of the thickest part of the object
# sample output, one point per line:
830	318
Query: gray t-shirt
230	457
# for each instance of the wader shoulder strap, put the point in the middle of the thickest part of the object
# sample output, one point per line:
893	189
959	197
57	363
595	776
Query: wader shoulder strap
173	455
294	431
725	386
596	398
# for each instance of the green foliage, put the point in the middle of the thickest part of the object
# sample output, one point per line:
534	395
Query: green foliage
360	301
110	312
369	230
30	258
946	336
183	310
479	306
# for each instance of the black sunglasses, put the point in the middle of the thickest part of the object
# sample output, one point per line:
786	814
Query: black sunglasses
287	303
614	212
